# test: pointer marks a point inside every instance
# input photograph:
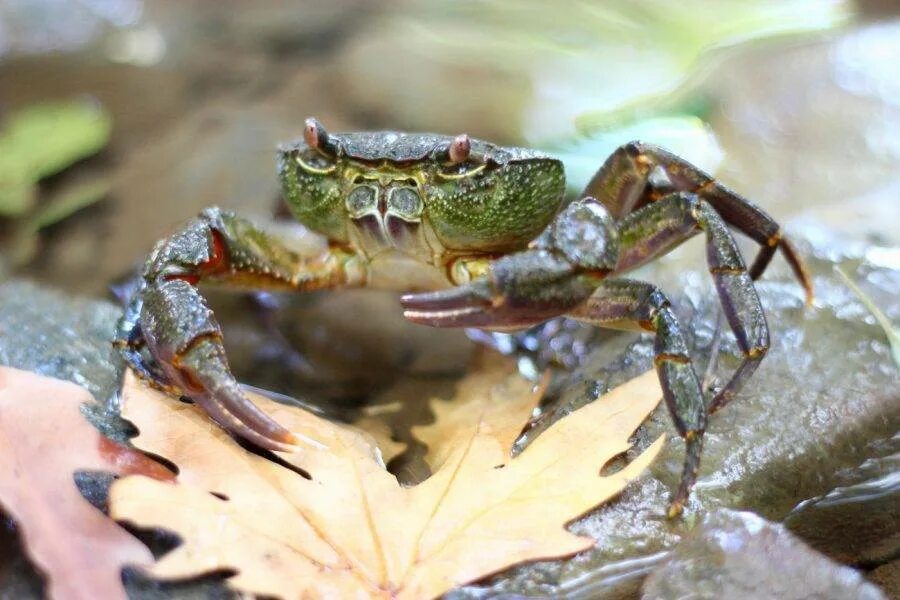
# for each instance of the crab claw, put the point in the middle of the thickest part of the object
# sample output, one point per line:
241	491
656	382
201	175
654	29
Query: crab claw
183	335
520	290
465	306
205	374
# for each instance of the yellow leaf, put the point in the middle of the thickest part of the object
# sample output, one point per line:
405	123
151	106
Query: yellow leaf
382	436
492	395
347	528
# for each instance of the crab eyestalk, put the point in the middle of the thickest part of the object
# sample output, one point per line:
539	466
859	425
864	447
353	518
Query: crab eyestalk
316	137
459	149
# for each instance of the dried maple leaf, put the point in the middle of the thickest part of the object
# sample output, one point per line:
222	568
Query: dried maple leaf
494	396
382	436
44	439
349	529
492	386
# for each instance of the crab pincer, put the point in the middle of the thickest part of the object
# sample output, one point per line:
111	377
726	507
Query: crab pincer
170	336
182	333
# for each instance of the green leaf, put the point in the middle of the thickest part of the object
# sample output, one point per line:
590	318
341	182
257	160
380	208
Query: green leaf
41	140
62	205
16	196
599	62
69	201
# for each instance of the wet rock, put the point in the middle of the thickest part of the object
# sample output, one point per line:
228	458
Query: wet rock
58	336
45	26
825	400
815	126
740	555
857	521
888	577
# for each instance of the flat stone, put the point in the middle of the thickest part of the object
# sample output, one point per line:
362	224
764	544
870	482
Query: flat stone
734	554
857	521
53	334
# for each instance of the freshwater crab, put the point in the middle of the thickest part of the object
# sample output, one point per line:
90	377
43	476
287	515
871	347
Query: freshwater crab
482	235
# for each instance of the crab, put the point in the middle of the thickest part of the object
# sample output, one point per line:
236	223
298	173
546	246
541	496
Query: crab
474	235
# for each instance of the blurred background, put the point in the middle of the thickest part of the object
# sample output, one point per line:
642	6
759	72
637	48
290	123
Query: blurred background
121	118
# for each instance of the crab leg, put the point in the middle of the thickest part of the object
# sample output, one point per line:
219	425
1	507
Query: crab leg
637	174
629	304
565	274
617	304
169	317
656	228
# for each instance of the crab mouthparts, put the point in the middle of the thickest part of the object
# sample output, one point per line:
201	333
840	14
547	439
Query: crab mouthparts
387	218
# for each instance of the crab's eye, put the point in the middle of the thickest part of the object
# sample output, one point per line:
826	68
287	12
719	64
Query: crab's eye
313	133
458	155
315	163
459	149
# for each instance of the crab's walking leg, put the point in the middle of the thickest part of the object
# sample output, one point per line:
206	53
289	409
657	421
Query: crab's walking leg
170	317
564	273
637	174
628	304
656	228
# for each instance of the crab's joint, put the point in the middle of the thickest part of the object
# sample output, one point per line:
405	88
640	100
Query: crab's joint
643	163
719	270
187	277
216	262
675	509
756	352
462	270
675	358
